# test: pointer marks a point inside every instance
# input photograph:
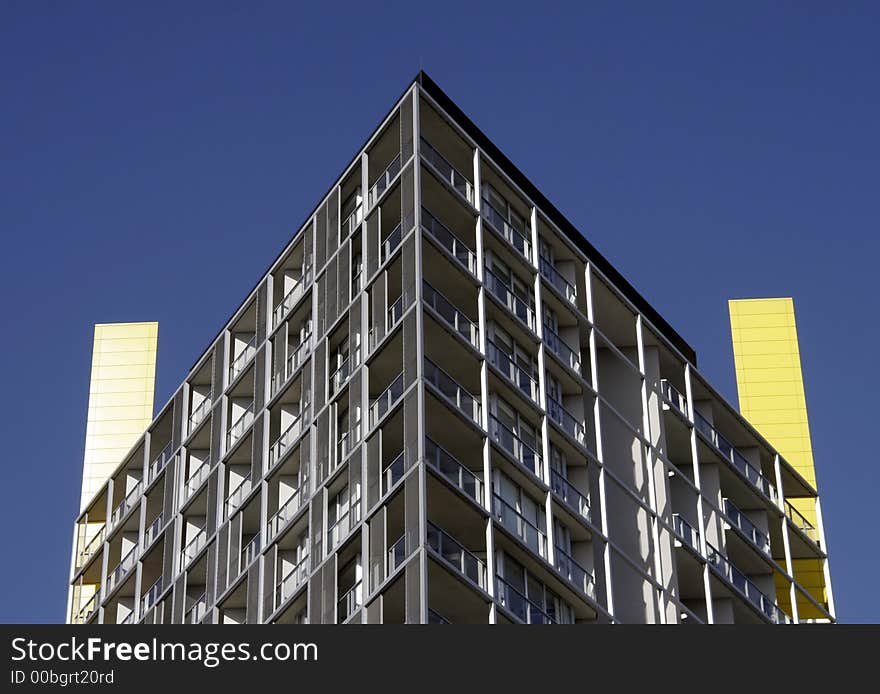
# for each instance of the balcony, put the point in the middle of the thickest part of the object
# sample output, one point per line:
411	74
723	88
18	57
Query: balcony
288	436
149	598
519	526
500	224
287	511
566	354
88	610
341	375
456	557
456	247
728	451
562	285
446	172
519	605
198	415
237	495
343	525
392	473
450	315
511	442
243	359
289	583
127	503
347	441
384	181
159	463
453	471
689	535
195	480
92	546
522	309
574	573
353	221
240	426
349	603
743	585
197	610
801	523
513	372
569	494
452	392
566	421
192	548
121	570
296	357
292	296
384	402
673	397
249	552
391	242
738	519
153	529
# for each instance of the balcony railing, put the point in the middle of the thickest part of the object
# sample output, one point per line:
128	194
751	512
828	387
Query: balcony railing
739	461
392	241
392	473
446	171
508	231
514	373
570	424
289	435
236	431
511	442
287	510
435	617
386	400
801	523
452	391
749	529
742	584
384	180
347	441
159	462
344	370
92	545
197	610
451	469
88	609
519	605
249	552
236	496
392	317
451	315
576	574
522	309
127	503
456	556
194	546
198	415
349	603
195	480
243	359
673	396
509	517
566	354
562	285
296	357
153	529
689	534
569	494
456	247
343	525
122	568
128	619
149	598
353	221
292	296
289	583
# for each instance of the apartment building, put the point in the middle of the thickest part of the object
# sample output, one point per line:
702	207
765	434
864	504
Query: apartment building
441	404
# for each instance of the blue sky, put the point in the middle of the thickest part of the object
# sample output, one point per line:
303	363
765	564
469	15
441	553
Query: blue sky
156	158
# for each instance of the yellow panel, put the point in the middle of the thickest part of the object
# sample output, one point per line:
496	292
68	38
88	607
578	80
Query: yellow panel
120	397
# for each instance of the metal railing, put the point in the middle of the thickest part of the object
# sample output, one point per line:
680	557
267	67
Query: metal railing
562	285
342	526
159	462
296	357
344	370
452	391
199	413
569	494
446	171
384	180
249	552
392	473
517	375
500	223
519	525
197	610
153	529
349	603
386	400
565	419
292	296
451	315
688	533
451	469
92	545
455	555
567	355
236	431
89	608
749	529
511	442
435	617
287	437
149	598
121	570
576	574
801	523
194	546
353	221
519	605
744	585
739	461
673	396
195	479
348	441
243	359
289	583
286	511
456	247
127	503
235	497
523	310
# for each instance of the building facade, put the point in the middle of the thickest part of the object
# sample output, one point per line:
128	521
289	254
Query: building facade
442	405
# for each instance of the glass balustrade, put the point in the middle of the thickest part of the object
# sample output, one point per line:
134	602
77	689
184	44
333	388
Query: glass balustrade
566	354
517	375
519	605
518	525
446	171
243	359
384	402
562	285
454	471
450	315
511	442
456	556
292	297
523	309
570	424
749	529
384	181
456	247
569	494
240	426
